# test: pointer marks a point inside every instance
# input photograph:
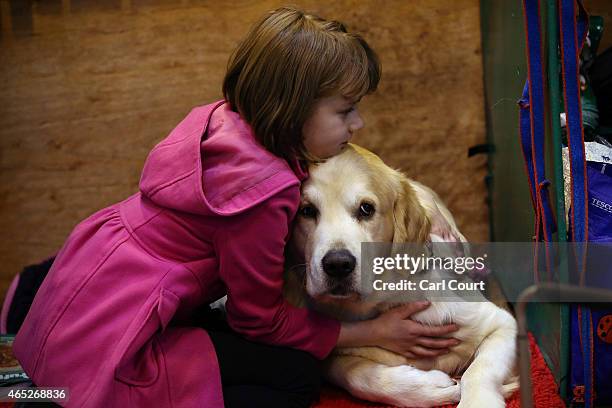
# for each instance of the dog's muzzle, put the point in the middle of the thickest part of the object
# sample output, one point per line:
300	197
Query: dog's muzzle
338	263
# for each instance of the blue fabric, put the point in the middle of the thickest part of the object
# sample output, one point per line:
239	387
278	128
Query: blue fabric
599	176
594	318
600	201
572	23
571	38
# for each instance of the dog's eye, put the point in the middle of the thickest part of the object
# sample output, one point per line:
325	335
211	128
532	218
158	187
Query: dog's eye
309	211
366	210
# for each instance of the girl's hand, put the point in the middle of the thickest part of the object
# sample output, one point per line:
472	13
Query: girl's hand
395	331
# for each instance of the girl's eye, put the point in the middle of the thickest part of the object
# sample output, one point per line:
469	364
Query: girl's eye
366	210
309	211
349	110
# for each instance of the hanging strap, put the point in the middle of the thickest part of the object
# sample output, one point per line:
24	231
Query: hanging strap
532	128
573	23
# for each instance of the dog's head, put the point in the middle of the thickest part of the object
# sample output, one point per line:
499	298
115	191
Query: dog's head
349	199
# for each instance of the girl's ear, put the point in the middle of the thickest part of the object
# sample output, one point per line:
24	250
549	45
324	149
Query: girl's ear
410	222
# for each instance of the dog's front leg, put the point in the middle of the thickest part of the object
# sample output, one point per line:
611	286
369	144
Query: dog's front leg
402	386
481	384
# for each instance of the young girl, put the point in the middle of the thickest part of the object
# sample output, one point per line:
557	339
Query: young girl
116	319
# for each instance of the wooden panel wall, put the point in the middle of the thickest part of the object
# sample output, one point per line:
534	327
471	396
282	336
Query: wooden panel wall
89	87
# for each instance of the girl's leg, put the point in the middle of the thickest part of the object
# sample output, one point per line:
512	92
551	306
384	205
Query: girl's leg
258	375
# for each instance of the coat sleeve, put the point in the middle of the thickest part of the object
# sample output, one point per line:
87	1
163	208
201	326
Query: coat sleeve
250	249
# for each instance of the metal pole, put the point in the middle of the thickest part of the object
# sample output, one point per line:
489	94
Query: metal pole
545	292
554	100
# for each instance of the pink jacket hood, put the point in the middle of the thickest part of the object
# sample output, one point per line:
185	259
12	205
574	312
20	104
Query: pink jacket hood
211	163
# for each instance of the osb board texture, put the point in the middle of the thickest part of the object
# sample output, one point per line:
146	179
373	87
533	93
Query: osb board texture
88	88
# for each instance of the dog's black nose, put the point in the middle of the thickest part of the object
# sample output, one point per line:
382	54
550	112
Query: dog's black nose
338	263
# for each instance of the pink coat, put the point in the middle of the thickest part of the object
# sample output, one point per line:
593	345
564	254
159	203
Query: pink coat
111	322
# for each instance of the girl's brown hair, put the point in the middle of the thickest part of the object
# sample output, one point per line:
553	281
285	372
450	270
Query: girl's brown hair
288	60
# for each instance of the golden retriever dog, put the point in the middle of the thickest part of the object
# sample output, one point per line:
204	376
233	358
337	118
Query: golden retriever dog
353	198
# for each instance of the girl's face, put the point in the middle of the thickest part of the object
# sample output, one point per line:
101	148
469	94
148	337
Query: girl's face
330	126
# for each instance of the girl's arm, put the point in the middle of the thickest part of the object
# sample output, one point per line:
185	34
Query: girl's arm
250	249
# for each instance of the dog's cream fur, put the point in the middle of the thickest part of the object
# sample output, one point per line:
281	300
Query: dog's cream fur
405	211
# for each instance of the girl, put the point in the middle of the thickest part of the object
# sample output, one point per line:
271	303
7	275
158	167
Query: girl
115	321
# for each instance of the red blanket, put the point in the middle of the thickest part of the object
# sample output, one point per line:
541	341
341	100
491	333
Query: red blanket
542	379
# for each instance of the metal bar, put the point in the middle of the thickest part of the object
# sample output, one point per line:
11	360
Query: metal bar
554	86
545	292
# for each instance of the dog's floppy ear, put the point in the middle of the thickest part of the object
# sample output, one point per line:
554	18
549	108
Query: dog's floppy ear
411	223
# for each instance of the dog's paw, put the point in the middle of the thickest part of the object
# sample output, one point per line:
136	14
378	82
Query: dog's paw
442	388
438	378
482	399
427	389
